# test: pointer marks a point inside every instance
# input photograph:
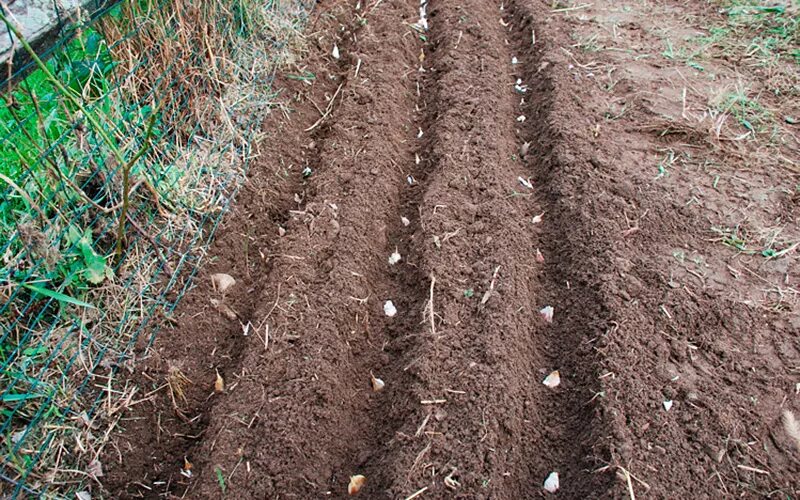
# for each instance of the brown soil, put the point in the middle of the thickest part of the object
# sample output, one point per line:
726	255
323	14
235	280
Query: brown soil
464	413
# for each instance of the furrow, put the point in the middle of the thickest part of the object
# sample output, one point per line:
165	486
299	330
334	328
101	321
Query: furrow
476	421
579	430
320	331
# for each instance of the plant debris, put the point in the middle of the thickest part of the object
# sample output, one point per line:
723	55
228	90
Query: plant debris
186	470
224	309
791	426
222	282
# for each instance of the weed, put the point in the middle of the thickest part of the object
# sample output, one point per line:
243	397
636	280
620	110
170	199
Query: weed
666	164
747	110
220	479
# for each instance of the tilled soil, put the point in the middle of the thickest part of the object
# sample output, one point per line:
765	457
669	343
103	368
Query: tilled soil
424	152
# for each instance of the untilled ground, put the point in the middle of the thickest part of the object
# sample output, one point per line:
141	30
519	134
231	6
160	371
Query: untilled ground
453	212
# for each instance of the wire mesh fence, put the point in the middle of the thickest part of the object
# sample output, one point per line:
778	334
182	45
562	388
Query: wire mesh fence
123	144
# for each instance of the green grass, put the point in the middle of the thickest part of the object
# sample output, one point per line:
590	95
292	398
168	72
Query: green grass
772	31
746	108
753	32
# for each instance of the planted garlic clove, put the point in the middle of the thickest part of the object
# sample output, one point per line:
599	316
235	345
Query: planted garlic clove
525	182
389	309
553	380
377	384
219	384
539	256
356	483
667	405
547	313
394	258
551	484
335	51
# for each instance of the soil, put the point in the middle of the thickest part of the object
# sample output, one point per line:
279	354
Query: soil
425	152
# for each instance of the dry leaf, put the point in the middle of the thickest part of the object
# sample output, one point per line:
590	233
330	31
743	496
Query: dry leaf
356	483
539	256
17	436
95	469
791	426
83	495
219	384
547	313
525	182
389	309
224	309
377	384
222	282
551	484
553	380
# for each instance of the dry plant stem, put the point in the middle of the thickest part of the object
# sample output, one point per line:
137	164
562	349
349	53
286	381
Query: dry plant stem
430	306
327	110
126	184
153	243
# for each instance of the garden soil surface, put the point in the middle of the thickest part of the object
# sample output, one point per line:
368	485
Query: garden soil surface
478	151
